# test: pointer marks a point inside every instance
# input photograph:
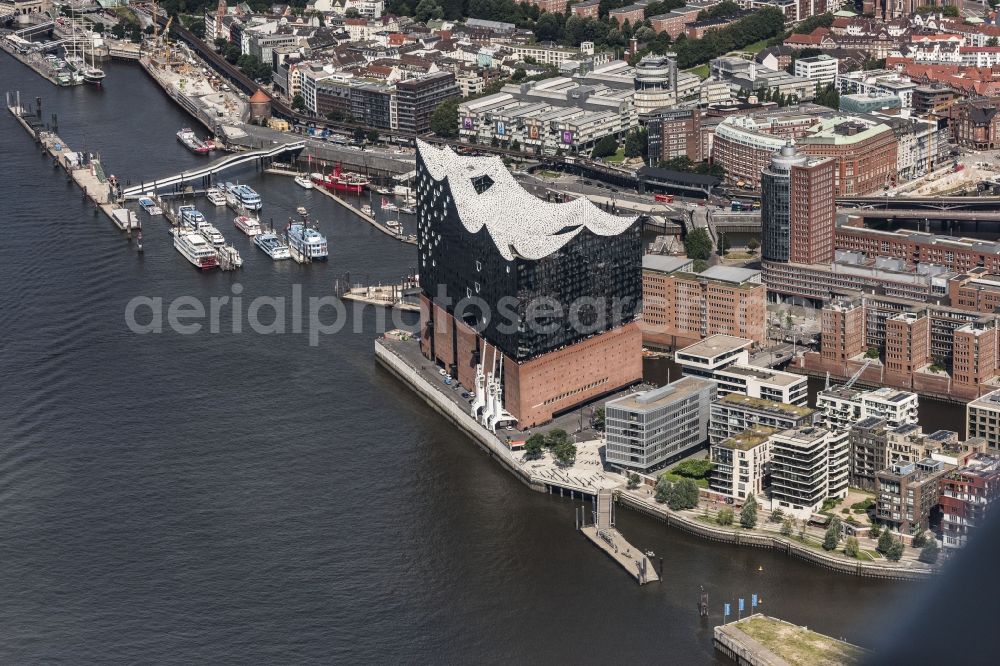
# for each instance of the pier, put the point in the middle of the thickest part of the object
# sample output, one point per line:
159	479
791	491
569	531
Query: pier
87	173
602	533
357	211
385	295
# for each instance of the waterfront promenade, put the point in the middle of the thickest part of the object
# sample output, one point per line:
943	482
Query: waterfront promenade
760	640
402	357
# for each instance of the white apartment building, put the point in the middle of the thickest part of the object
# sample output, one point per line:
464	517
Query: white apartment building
982	418
741	463
725	359
843	407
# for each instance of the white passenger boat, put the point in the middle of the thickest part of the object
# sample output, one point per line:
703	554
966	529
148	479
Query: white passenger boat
272	246
248	225
304	181
229	257
195	249
242	197
211	234
216	196
305	243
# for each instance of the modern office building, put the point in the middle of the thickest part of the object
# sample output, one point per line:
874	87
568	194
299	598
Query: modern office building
808	465
906	493
416	100
655	83
518	293
734	413
821	69
644	430
798	209
742	463
865	152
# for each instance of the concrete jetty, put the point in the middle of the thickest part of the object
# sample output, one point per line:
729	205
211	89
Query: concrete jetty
88	174
760	640
603	534
36	61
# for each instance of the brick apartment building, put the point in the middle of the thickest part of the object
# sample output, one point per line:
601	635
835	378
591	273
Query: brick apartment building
631	13
681	307
976	123
551	6
906	494
586	9
967	494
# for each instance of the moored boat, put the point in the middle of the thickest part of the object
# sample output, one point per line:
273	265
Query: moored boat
191	217
195	249
216	196
388	205
187	137
211	234
272	246
305	243
229	257
304	181
342	181
248	225
241	197
150	206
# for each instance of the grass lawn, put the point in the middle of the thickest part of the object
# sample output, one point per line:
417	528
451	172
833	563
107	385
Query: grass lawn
617	158
674	478
799	646
700	70
756	47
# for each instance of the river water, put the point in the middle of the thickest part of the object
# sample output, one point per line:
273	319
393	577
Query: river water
228	498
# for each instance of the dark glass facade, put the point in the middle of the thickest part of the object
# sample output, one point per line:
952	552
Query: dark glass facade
776	204
588	272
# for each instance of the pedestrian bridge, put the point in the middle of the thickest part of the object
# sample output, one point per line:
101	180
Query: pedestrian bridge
135	191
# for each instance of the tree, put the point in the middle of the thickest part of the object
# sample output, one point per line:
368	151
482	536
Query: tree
885	542
787	526
565	453
698	244
993	41
633	481
606	147
372	136
519	75
359	135
682	494
872	352
851	547
198	28
929	553
534	445
828	96
875	531
895	551
118	30
352	12
232	54
694	469
598	420
428	10
97	28
635	142
555	438
549	27
919	540
444	120
748	514
752	245
662	488
298	102
832	536
776	516
725	516
221	43
722	245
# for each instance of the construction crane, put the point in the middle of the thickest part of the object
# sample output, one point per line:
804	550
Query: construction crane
857	375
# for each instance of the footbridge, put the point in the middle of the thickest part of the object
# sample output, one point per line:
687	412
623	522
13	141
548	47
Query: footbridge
206	172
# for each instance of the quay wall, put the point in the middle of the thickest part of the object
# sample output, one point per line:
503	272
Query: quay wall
773	541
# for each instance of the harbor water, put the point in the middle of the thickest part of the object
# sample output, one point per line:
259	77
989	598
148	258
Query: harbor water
240	497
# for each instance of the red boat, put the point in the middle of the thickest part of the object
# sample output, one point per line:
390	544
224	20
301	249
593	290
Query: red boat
341	181
193	143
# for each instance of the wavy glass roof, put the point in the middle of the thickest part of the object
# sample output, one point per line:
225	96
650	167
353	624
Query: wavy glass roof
520	224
